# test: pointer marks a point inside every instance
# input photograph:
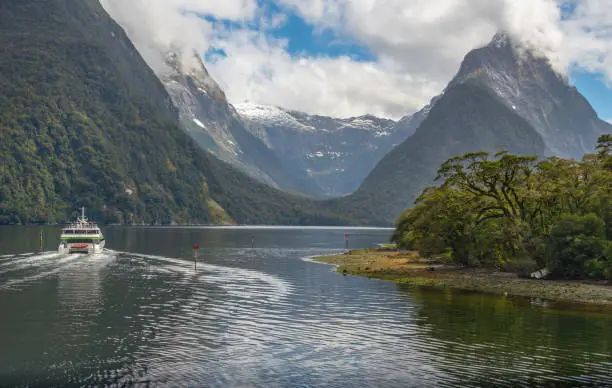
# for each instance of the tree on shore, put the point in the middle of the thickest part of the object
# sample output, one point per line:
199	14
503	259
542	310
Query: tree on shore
517	213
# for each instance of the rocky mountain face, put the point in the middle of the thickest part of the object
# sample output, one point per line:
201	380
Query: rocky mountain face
527	84
335	154
214	124
85	122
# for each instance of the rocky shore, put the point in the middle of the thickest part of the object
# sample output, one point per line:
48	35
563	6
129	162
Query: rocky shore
409	268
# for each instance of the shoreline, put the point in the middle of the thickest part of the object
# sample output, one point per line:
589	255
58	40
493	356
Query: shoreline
408	268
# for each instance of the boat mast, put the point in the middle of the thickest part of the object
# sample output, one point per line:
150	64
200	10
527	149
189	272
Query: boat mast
82	218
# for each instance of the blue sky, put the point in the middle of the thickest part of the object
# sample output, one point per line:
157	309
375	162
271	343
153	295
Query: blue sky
596	91
304	39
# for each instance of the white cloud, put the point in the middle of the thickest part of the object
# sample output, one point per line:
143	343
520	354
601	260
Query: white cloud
260	70
430	37
589	43
419	44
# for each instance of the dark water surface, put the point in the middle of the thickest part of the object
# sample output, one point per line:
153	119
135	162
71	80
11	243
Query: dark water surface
141	315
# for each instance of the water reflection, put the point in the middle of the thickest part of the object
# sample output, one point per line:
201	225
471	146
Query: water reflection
497	335
80	287
21	239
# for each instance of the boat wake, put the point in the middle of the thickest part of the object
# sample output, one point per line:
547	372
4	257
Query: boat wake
24	269
252	283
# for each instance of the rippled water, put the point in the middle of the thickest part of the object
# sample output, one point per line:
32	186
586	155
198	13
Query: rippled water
143	314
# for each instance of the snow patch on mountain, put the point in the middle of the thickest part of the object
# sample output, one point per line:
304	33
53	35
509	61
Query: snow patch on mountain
382	134
364	123
327	154
269	115
199	123
274	116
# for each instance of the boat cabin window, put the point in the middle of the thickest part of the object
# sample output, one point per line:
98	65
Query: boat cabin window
80	231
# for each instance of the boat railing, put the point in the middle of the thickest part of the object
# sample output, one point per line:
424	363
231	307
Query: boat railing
82	225
81	231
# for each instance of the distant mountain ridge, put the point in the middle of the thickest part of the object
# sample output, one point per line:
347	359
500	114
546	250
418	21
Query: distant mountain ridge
336	154
326	157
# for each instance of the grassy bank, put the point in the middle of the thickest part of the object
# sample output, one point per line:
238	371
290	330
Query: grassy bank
409	268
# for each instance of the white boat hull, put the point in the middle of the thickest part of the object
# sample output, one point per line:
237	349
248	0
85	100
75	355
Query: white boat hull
90	248
81	236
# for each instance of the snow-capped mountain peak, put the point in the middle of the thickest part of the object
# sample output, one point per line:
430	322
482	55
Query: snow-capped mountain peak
269	115
367	123
276	116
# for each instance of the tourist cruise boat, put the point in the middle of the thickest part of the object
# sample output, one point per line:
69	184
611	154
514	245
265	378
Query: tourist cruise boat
81	236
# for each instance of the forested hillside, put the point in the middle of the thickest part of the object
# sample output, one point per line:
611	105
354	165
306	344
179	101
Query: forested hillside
85	122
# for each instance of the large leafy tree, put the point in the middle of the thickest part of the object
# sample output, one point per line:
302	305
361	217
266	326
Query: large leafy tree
506	209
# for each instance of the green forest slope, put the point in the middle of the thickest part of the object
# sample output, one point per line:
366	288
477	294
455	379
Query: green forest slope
85	122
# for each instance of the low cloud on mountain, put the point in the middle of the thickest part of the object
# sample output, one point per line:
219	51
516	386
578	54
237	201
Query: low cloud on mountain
415	47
